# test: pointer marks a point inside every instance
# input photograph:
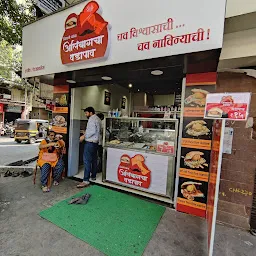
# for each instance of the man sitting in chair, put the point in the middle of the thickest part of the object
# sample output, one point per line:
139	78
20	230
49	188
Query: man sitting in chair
50	159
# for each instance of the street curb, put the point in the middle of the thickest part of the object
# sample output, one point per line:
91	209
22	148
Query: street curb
23	163
20	169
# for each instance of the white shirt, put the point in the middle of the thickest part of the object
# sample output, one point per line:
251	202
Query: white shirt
93	129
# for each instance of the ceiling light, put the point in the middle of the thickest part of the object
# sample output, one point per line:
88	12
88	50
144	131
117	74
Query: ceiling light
157	72
71	81
106	78
130	85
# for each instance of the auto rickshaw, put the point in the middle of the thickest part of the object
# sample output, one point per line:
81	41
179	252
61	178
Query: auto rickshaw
31	130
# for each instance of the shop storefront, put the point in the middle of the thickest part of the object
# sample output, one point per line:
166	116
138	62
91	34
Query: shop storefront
12	112
147	66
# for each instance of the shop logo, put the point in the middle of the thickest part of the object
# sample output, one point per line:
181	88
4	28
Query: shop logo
134	171
85	36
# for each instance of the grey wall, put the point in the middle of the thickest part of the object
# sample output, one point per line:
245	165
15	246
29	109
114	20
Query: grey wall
94	96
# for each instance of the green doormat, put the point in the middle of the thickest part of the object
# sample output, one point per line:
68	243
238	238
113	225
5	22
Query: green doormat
114	223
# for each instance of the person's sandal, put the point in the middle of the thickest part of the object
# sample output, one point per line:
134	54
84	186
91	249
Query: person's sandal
15	174
85	198
56	183
45	189
7	174
83	184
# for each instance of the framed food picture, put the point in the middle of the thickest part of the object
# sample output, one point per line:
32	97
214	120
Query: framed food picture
107	98
123	104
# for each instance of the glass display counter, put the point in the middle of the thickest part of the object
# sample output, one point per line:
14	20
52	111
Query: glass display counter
140	153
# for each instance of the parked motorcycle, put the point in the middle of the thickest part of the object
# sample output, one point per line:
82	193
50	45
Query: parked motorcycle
8	130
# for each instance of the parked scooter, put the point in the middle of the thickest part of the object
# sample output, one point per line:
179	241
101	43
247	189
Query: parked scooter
10	130
7	129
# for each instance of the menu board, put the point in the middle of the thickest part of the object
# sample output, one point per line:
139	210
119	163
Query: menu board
196	145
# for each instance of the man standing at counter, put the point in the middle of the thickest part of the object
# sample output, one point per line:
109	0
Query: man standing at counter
91	137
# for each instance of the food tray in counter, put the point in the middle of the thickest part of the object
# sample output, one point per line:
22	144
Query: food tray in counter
145	147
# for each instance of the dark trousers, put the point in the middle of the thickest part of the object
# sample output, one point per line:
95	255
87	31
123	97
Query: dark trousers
100	156
57	172
90	160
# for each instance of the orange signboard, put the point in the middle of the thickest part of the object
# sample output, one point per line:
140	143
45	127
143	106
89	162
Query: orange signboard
57	129
194	174
63	110
193	204
193	112
128	171
85	36
196	143
61	89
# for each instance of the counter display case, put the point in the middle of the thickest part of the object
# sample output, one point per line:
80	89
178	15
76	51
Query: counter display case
148	135
140	153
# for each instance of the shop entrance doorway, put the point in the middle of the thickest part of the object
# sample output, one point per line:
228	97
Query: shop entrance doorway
144	94
11	117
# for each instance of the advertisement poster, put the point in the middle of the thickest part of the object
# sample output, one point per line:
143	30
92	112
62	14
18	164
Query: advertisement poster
230	106
60	112
107	98
123	104
167	147
140	171
196	144
49	105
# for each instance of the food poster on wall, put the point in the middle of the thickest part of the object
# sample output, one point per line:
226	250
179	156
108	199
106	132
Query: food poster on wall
195	99
60	112
194	163
197	133
140	171
196	144
107	98
231	106
123	103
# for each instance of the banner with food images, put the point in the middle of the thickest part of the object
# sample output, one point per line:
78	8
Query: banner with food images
196	144
60	112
